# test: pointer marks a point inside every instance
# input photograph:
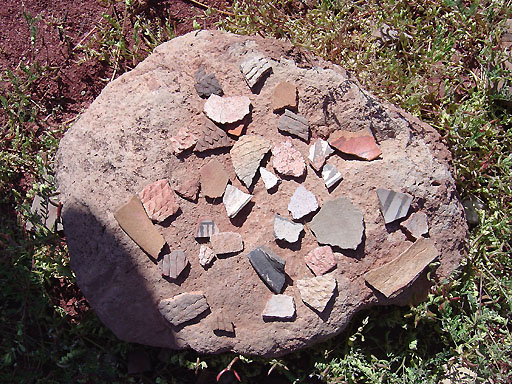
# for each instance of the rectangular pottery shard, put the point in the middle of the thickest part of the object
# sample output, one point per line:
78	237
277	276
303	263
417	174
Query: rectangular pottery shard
294	124
132	218
393	277
183	307
254	69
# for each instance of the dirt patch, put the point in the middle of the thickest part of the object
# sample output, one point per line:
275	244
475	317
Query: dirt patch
51	33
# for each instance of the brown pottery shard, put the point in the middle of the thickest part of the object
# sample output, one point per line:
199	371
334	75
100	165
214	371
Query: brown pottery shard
214	179
361	144
133	219
391	278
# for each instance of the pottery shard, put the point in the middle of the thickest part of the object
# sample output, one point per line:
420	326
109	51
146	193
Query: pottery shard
226	242
339	223
393	205
222	324
294	124
279	307
212	137
318	153
269	179
206	228
183	140
206	85
214	179
132	218
234	200
171	265
392	278
284	96
45	212
206	255
416	225
189	188
321	260
317	291
224	110
288	160
183	307
269	267
255	68
330	175
246	156
302	203
159	200
360	144
286	230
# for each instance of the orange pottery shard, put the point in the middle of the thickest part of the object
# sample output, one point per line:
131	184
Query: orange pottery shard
360	144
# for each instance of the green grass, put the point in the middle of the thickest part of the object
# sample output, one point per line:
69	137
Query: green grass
444	66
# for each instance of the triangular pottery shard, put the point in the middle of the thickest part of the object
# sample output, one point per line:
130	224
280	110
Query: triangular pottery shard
392	278
360	144
135	222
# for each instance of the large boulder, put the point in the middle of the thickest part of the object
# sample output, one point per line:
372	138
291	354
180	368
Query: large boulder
123	143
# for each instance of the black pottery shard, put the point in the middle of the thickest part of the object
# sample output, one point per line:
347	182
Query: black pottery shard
269	267
206	85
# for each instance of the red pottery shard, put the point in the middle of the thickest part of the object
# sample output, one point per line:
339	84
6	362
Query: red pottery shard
361	144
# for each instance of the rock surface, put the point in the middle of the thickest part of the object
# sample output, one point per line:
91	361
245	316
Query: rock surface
286	230
302	203
317	291
225	110
339	223
287	160
279	307
135	222
246	156
183	307
159	201
111	153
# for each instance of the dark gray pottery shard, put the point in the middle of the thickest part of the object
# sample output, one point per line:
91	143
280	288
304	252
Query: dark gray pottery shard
294	124
207	84
269	267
